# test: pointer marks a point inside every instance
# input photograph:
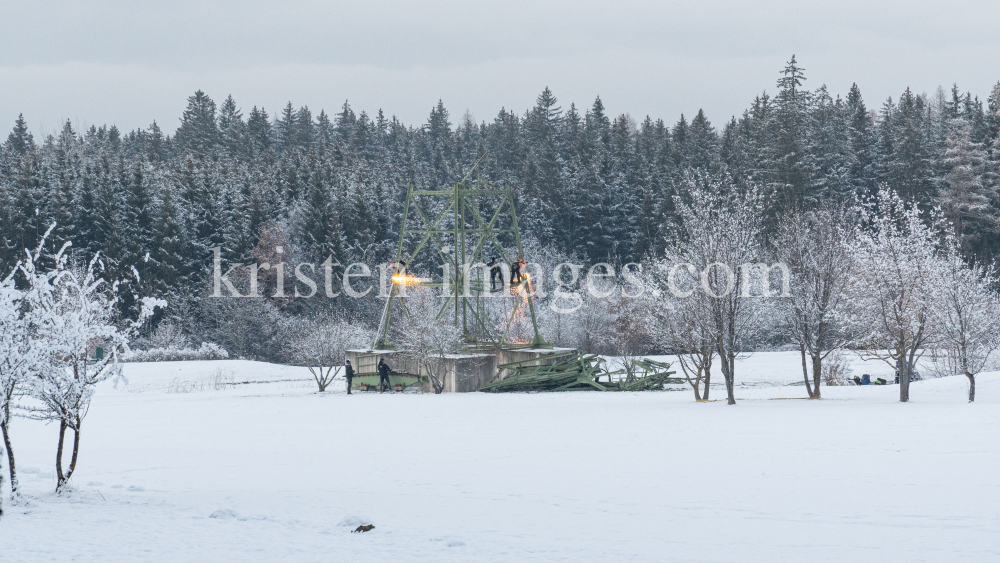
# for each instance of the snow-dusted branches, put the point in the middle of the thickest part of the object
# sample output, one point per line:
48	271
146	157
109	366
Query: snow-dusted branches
681	325
966	318
71	318
720	250
17	362
814	247
322	346
894	286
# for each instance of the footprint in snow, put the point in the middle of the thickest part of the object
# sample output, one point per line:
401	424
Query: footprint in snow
135	489
95	484
226	514
450	543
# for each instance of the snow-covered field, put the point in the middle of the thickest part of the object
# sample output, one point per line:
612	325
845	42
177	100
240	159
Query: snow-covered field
269	470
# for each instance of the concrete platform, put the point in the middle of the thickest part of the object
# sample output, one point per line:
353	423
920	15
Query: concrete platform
461	373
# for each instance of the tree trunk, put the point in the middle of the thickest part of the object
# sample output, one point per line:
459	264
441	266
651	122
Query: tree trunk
728	372
59	451
695	384
817	375
972	397
708	379
76	450
10	462
805	371
63	478
904	383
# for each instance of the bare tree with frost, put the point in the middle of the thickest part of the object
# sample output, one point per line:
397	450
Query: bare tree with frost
323	345
814	247
71	313
966	318
682	326
17	362
720	252
895	285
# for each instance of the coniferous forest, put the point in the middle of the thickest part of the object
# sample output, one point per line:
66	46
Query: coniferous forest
588	185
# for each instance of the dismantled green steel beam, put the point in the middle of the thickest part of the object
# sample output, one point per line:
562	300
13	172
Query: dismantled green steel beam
575	371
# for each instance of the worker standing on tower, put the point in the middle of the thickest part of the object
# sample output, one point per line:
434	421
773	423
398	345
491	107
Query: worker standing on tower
495	273
515	271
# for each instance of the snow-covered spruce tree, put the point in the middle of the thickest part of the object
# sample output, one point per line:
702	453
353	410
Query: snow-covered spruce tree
322	345
426	339
968	198
71	313
894	285
814	247
966	318
681	325
17	361
722	240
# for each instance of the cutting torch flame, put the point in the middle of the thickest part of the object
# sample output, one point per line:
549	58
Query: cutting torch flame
522	287
406	279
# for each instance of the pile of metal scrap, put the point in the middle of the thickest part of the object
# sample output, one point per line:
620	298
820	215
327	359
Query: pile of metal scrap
575	371
647	375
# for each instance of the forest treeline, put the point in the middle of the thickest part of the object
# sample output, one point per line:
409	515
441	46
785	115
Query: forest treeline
587	184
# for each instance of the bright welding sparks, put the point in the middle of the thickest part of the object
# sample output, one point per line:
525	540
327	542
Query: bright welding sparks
406	279
522	287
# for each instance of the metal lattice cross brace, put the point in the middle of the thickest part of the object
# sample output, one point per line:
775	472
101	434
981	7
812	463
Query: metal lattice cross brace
451	226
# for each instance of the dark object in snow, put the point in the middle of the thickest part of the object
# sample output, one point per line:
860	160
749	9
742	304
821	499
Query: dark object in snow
363	529
866	379
349	374
575	371
857	380
879	381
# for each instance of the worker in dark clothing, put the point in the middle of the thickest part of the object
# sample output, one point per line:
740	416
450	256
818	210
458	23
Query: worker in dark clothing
515	271
349	374
495	273
383	375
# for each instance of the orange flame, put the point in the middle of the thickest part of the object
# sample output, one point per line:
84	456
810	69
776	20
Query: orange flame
522	287
406	279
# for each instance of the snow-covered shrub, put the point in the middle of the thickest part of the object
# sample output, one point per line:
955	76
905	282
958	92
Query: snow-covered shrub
167	335
219	380
207	351
836	370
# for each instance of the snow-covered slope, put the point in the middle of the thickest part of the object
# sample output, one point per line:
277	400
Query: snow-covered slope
270	471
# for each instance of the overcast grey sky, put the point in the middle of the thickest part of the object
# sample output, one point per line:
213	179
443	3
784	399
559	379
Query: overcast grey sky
130	62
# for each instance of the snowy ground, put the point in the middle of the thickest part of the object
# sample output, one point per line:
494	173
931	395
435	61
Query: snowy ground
269	470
